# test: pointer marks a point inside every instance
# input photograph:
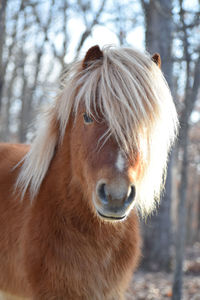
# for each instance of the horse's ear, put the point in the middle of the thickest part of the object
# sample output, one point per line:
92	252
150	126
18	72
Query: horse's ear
156	58
94	53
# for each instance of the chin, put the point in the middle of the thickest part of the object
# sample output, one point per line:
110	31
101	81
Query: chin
110	217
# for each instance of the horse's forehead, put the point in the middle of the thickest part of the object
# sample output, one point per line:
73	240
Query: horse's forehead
95	109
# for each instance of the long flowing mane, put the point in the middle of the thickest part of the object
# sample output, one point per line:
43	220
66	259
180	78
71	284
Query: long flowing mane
131	93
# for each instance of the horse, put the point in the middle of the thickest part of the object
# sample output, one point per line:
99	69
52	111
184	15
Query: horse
70	202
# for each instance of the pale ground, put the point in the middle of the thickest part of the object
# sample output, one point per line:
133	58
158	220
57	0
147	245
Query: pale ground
158	286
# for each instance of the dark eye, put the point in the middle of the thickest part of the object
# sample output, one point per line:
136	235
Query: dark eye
87	119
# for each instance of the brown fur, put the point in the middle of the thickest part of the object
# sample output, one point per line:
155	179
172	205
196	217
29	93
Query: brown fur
57	247
93	54
157	59
56	243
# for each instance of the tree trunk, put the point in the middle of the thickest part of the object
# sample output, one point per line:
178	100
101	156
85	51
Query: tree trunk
198	215
157	231
190	97
2	38
181	229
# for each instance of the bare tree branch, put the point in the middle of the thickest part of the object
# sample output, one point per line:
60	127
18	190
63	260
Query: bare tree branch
89	27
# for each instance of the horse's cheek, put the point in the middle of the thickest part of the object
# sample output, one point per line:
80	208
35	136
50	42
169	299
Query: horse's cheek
80	151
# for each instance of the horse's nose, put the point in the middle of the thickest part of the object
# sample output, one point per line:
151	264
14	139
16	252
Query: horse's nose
116	196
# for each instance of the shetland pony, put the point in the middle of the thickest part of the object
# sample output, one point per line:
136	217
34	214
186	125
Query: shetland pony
68	203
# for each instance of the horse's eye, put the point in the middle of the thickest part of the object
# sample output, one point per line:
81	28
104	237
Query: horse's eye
87	119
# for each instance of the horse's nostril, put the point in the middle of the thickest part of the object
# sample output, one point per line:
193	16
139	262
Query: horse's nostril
102	194
131	194
115	197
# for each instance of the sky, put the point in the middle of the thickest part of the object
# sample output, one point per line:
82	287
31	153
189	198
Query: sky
102	36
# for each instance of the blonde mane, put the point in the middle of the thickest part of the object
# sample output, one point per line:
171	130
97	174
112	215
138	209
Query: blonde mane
129	90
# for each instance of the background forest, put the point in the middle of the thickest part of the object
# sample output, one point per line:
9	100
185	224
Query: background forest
38	41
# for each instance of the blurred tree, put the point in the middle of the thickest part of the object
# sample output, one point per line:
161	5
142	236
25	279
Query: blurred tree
89	25
33	50
192	86
124	16
157	230
2	41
